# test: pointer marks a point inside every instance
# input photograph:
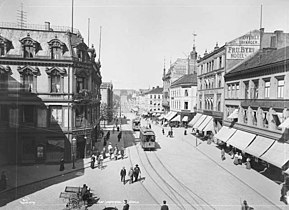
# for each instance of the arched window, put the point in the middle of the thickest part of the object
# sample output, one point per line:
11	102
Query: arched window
56	80
30	47
28	76
57	48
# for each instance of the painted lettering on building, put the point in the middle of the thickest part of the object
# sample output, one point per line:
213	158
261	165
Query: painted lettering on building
240	52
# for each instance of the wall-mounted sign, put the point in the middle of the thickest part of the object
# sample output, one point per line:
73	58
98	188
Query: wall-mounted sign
243	46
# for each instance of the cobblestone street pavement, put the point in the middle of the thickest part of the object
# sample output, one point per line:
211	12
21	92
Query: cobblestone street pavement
186	176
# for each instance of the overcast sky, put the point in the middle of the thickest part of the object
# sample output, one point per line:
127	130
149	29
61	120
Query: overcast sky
138	34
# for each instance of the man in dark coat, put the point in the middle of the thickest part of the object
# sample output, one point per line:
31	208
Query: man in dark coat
126	206
164	206
122	175
119	136
136	172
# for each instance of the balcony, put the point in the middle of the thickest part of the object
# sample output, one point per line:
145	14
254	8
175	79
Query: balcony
276	103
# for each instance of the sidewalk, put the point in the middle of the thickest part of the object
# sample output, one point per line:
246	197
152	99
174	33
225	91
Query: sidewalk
24	175
265	187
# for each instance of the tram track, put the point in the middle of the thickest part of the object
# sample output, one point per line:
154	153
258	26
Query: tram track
183	186
178	204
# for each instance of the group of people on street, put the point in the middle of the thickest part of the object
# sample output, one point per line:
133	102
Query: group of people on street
238	158
134	174
99	158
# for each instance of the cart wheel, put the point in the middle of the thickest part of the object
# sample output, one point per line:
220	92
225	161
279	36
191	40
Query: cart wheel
73	203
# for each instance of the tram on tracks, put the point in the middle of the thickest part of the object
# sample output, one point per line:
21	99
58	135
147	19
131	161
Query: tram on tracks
136	124
147	138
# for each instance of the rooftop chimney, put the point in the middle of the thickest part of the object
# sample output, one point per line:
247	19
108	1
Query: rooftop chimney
47	26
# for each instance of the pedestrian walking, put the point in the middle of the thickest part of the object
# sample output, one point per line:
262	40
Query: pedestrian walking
108	135
122	152
185	132
110	150
115	153
223	157
119	136
92	162
163	130
61	168
164	206
122	175
3	181
126	206
100	161
103	153
130	174
284	190
117	128
236	159
150	126
248	163
240	158
136	172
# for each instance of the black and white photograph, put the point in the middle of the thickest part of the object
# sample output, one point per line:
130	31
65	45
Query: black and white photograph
144	104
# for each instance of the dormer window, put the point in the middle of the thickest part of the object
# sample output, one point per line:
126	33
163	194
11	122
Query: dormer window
28	76
57	48
30	47
5	46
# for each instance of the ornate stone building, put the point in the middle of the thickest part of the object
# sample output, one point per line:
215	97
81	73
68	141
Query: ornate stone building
106	91
50	94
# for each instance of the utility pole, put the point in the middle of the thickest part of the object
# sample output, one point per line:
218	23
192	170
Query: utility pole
72	16
88	28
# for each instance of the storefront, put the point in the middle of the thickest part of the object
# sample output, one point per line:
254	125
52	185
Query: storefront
83	142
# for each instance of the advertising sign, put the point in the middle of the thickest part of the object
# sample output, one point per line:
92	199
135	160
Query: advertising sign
243	46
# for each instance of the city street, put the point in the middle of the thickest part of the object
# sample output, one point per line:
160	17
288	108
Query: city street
186	177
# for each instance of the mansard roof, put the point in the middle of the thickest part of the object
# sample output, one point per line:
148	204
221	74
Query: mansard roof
264	58
188	79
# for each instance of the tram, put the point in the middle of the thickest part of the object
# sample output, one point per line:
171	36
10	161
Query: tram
147	138
136	124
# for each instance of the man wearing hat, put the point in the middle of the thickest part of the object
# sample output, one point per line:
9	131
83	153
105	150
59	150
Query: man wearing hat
136	172
122	175
126	206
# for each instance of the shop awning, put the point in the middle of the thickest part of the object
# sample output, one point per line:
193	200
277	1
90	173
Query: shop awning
284	124
171	116
278	154
259	146
234	114
195	119
185	119
204	123
176	119
241	139
210	126
225	133
200	120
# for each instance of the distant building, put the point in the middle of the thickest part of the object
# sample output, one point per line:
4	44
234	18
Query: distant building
183	98
106	91
178	69
154	100
49	90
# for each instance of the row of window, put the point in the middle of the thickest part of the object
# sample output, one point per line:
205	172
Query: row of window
177	105
29	115
209	103
261	118
252	89
156	96
177	93
212	65
211	82
29	82
30	48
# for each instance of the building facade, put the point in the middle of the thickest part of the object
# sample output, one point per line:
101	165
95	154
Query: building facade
154	100
260	104
183	98
49	93
106	91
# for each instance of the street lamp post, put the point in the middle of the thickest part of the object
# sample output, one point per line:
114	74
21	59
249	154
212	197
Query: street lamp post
73	151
